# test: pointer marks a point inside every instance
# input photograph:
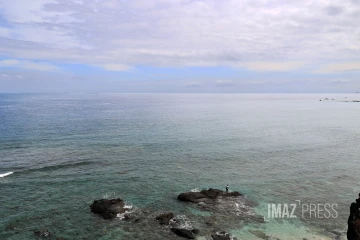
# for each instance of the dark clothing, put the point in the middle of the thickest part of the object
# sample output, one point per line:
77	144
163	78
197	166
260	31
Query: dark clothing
227	189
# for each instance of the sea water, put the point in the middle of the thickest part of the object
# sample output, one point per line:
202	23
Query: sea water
66	150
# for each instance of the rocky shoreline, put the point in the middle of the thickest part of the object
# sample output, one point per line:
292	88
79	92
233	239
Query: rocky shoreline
209	214
223	210
214	200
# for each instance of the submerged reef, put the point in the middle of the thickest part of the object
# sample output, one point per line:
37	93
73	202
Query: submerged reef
221	208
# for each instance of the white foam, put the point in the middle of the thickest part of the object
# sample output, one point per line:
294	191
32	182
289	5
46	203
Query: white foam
184	222
108	196
242	209
195	190
121	216
221	233
224	234
6	174
241	206
128	206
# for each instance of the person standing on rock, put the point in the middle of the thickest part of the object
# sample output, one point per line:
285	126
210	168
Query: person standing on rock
227	188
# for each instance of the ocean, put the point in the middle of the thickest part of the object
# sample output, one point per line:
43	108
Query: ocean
67	150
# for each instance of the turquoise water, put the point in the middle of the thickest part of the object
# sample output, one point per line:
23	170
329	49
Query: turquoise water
68	150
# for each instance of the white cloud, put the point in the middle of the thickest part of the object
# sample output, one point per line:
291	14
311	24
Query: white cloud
340	81
273	66
224	83
115	67
114	34
193	84
339	67
24	64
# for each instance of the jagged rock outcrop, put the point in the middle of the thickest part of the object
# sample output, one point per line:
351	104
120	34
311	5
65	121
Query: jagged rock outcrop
185	233
108	209
206	195
353	232
165	218
42	233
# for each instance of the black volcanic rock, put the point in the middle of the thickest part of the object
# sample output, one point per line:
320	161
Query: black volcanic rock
206	195
191	197
354	221
42	233
182	232
196	231
165	218
108	209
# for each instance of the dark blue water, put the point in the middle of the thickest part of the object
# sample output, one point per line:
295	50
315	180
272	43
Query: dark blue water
68	150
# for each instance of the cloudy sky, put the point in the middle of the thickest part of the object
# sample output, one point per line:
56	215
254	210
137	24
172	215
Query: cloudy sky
179	46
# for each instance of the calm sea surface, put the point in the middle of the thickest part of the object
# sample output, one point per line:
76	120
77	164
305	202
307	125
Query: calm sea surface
68	150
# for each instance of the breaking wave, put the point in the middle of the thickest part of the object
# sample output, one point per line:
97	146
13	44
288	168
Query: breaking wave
6	174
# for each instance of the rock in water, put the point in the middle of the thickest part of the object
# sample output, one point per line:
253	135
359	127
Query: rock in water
164	219
108	209
182	232
259	234
195	231
206	195
42	233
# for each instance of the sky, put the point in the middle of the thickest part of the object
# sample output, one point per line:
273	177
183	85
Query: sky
105	46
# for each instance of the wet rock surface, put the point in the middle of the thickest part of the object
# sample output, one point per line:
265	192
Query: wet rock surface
223	206
108	209
210	210
185	233
206	196
42	233
165	218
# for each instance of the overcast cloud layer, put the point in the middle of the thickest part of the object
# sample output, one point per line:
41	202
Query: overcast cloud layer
314	38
